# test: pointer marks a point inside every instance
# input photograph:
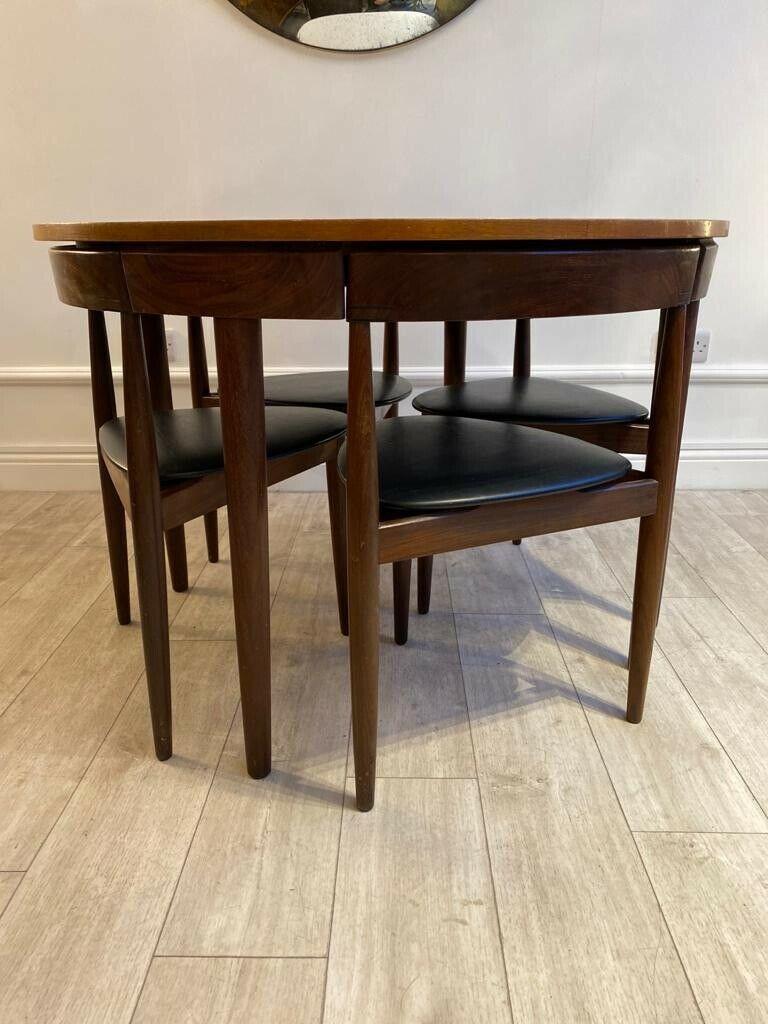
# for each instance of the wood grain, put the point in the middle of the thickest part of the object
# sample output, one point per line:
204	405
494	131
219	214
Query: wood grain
673	774
415	935
502	521
584	939
734	502
231	991
524	283
568	565
43	611
16	505
260	874
752	527
617	543
714	894
53	729
55	726
32	542
729	565
76	941
491	579
423	724
392	230
207	613
9	883
259	285
726	672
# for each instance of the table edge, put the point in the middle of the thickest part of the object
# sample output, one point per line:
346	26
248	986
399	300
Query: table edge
379	230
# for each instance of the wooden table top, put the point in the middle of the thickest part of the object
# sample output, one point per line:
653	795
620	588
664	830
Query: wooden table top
392	231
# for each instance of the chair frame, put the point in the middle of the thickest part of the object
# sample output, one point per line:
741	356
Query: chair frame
204	397
517	284
99	282
628	438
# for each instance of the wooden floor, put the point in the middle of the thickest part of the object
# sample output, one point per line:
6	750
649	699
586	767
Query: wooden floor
531	857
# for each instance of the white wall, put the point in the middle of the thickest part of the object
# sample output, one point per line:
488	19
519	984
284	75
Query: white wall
183	108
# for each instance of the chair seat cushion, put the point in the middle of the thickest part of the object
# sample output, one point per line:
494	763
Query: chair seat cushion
189	440
530	400
328	390
442	463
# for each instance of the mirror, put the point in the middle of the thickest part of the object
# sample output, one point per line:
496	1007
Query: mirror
352	24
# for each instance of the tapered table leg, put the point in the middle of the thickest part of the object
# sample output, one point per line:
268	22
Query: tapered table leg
363	561
241	389
663	454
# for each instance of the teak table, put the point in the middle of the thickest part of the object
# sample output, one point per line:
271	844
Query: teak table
588	266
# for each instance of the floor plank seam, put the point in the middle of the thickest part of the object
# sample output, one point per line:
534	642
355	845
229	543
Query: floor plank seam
48	657
335	881
713	731
53	554
20	883
154	955
160	930
618	800
634	841
87	768
491	873
336	867
222	956
690	832
763	646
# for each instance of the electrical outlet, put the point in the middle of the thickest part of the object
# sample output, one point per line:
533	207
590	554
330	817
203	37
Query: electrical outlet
701	346
172	344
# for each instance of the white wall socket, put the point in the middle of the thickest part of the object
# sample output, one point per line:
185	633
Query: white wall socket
172	344
701	346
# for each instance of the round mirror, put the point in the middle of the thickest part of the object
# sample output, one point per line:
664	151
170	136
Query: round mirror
352	24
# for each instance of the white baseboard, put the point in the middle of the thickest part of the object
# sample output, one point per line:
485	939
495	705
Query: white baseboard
73	468
423	376
40	405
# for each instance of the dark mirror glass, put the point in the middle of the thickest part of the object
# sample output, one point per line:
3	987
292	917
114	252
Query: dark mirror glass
352	24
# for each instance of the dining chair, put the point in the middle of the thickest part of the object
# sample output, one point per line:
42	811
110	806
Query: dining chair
317	390
591	414
420	486
163	467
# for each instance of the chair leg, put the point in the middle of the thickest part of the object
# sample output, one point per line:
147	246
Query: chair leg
114	519
337	511
211	521
425	584
153	604
517	543
177	558
401	588
147	525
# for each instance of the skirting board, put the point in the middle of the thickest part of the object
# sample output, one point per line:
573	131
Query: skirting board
726	447
73	468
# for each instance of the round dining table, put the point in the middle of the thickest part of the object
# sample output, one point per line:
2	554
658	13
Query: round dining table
328	248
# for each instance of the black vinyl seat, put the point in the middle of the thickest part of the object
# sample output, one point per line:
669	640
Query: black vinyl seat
530	400
328	389
446	463
189	441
